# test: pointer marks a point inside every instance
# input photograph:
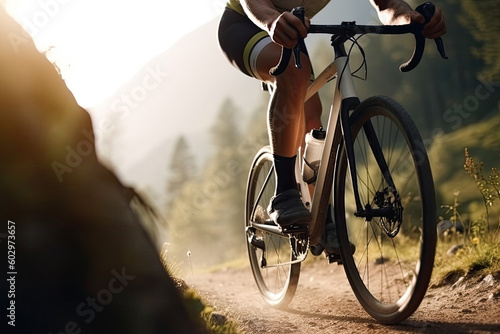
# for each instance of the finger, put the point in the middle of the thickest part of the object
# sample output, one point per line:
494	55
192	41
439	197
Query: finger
436	34
289	36
284	34
287	39
416	17
307	23
436	26
296	23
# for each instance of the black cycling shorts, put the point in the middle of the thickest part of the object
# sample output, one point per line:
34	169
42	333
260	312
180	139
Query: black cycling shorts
241	41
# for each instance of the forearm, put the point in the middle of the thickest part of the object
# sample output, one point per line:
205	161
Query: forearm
392	11
261	12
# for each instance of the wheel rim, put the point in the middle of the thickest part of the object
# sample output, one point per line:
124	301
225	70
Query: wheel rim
276	282
391	262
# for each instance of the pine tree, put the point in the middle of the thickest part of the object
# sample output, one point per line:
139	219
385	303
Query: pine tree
182	168
481	18
207	214
225	131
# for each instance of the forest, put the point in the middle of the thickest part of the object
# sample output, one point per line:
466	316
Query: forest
454	102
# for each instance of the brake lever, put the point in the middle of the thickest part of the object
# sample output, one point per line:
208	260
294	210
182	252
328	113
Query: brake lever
427	10
300	13
286	53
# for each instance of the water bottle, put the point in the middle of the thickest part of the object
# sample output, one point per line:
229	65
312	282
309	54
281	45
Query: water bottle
315	140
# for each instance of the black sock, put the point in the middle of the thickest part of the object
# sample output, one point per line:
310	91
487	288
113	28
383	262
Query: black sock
284	168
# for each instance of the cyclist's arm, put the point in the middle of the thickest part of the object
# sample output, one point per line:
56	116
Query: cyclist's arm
398	12
284	28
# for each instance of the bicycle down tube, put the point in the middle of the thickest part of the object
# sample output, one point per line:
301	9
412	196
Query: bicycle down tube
343	91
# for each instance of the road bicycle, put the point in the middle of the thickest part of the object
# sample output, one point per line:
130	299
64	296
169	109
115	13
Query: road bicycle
374	176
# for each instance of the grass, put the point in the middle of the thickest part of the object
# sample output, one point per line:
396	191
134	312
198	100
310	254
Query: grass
479	259
211	321
479	254
197	308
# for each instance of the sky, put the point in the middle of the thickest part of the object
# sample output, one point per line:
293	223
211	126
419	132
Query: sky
100	44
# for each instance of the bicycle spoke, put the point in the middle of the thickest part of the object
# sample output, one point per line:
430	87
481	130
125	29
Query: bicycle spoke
262	187
387	271
275	274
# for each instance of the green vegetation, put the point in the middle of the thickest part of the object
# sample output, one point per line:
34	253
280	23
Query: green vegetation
475	199
204	314
483	18
477	245
478	259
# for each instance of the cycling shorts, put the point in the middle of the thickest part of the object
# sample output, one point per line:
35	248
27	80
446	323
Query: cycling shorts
241	41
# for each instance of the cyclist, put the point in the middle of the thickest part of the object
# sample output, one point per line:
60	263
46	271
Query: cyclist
251	34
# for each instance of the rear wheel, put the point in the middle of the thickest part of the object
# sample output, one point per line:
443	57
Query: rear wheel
390	270
272	254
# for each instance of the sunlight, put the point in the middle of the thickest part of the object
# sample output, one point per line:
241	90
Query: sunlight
99	45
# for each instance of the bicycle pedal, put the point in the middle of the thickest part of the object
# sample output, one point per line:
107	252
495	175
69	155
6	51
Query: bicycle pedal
263	261
294	229
332	258
257	243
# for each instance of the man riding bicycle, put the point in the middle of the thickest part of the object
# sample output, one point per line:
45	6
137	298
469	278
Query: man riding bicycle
251	35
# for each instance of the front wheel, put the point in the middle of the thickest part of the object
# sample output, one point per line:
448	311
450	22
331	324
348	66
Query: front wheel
272	255
391	267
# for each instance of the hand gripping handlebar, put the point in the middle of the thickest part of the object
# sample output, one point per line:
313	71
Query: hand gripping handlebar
350	29
287	53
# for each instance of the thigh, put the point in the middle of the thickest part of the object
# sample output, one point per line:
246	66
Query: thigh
241	41
249	48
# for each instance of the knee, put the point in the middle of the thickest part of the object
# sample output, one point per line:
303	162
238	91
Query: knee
295	79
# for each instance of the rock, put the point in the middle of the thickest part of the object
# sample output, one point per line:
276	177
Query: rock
488	280
458	283
454	250
218	319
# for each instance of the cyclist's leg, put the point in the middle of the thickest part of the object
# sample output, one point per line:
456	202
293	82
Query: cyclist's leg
312	108
252	51
287	120
286	125
313	111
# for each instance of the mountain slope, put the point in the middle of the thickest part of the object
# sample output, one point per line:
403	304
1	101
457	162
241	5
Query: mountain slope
178	93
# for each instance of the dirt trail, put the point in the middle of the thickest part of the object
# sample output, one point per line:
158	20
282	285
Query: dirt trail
324	303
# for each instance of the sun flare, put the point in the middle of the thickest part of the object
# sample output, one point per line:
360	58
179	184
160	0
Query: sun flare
99	45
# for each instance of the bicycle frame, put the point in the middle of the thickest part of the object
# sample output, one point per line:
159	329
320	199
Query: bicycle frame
338	127
344	100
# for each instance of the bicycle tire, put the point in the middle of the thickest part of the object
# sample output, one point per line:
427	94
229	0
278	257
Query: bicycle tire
277	284
391	267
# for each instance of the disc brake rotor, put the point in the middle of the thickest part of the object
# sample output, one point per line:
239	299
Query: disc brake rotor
389	198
